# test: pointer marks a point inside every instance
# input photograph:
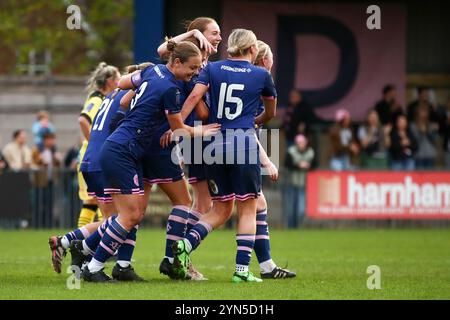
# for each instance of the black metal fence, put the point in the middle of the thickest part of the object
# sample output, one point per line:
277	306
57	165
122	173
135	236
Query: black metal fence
35	199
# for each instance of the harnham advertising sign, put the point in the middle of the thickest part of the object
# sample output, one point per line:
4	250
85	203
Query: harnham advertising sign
378	195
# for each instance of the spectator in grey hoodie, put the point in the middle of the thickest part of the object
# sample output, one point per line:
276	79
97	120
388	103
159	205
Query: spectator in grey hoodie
298	161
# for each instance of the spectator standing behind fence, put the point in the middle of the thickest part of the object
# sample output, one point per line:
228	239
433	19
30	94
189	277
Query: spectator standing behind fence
446	146
423	98
289	123
343	142
46	156
374	141
71	158
16	153
298	117
388	108
45	160
445	132
41	126
426	134
403	145
298	161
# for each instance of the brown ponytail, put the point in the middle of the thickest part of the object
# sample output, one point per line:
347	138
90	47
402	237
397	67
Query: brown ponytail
182	50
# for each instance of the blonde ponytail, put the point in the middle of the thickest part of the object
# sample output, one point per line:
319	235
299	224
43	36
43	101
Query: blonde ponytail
98	77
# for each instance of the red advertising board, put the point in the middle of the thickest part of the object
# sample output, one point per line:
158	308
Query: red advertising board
378	195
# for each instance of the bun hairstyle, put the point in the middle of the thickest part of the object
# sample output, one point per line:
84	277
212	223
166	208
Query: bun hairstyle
135	67
98	77
182	50
263	51
239	41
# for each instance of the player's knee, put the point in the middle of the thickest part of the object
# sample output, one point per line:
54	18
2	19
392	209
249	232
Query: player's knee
202	204
201	207
261	204
224	210
133	217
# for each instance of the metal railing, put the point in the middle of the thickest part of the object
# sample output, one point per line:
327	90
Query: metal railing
31	199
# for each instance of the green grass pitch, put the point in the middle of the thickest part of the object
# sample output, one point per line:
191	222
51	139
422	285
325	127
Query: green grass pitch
331	264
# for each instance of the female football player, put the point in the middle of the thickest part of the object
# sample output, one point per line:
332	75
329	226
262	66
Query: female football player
102	81
235	86
269	270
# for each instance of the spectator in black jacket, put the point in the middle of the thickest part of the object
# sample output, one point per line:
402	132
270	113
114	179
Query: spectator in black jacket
403	145
444	127
298	117
423	98
388	108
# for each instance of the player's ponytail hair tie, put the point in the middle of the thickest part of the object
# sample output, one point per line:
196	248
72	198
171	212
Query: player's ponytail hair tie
171	45
182	51
98	77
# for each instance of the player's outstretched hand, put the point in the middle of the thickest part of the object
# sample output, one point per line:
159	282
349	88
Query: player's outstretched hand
204	43
210	129
165	139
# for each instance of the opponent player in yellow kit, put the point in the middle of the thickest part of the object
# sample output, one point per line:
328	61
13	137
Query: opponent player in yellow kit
102	81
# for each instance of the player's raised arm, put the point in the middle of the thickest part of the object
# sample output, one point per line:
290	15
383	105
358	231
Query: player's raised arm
126	81
195	101
132	79
163	52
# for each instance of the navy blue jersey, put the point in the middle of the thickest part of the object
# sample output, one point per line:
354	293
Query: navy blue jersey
235	91
157	95
155	146
100	130
235	88
260	108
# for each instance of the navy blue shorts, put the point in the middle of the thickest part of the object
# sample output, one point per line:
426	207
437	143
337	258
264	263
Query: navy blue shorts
159	168
95	182
196	172
234	181
122	168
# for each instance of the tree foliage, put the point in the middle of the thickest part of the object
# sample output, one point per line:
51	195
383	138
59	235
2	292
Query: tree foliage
40	25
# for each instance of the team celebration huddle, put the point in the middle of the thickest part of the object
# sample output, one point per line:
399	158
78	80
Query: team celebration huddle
133	125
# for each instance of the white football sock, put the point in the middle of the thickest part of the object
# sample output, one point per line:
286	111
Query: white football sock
95	266
241	268
123	263
65	243
267	266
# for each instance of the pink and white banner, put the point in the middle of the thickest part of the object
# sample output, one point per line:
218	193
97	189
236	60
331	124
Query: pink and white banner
327	51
